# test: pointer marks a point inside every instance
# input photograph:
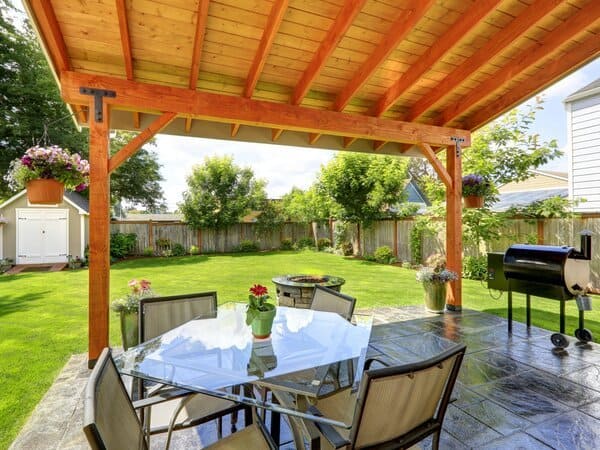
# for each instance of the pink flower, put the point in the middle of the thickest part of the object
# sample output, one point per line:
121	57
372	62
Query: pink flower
80	187
144	285
133	284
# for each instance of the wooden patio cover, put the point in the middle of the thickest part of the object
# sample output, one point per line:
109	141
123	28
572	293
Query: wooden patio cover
400	77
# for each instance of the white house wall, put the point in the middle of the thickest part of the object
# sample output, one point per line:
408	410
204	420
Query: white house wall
584	145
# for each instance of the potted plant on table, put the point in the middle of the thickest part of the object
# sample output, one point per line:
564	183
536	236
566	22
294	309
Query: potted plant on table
435	278
128	308
259	313
46	172
474	190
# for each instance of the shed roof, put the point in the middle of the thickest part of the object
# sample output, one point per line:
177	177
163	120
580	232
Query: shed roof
335	74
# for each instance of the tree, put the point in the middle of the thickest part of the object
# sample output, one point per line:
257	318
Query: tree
363	185
138	179
309	206
220	193
29	98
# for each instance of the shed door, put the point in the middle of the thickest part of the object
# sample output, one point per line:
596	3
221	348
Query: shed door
42	236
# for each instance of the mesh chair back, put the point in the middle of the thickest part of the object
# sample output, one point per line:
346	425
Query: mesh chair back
161	314
396	401
109	418
325	299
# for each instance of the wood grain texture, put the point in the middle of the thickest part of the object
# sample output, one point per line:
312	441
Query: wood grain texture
454	244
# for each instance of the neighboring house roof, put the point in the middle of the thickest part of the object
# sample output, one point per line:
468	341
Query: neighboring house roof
542	185
153	218
76	200
586	91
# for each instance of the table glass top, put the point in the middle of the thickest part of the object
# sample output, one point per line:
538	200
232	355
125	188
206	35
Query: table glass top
209	354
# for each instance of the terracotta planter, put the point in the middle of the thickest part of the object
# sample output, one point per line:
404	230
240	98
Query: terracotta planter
435	297
473	201
262	324
129	329
44	191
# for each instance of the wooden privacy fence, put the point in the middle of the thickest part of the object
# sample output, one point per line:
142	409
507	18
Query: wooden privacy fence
392	233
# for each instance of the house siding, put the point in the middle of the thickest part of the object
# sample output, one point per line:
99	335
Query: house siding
9	233
584	152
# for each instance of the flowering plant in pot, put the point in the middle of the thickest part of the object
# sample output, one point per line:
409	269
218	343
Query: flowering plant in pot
259	313
47	171
474	190
128	308
435	278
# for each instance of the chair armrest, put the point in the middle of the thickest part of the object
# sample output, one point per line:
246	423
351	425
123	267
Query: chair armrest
370	361
329	432
163	396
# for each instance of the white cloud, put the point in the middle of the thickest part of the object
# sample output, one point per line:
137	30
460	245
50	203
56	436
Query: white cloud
282	167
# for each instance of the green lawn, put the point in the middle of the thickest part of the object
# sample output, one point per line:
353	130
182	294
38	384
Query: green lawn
43	316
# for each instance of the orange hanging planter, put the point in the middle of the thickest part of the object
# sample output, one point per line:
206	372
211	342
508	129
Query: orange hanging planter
45	191
473	201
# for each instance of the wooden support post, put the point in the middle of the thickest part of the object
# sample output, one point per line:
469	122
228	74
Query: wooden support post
454	226
396	238
151	235
540	232
199	240
99	271
331	231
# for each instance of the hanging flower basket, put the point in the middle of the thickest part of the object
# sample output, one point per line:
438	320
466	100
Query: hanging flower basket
474	201
45	191
474	189
46	172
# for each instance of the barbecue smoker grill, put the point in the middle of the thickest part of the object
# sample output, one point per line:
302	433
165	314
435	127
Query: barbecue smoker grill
556	272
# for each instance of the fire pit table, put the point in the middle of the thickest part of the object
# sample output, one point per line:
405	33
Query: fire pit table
297	290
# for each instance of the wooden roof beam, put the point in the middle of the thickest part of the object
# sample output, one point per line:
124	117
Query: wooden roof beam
457	31
136	143
126	46
147	97
54	43
264	47
560	67
573	27
344	19
498	42
398	31
201	17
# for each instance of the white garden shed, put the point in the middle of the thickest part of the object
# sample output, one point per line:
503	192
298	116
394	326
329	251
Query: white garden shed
583	146
43	234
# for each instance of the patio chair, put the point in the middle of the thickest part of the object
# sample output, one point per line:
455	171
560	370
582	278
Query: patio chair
157	316
110	420
326	299
397	406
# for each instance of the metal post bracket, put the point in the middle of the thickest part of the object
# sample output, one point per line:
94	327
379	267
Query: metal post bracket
458	141
98	94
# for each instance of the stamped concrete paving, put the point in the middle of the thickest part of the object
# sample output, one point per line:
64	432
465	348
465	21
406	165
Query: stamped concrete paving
514	391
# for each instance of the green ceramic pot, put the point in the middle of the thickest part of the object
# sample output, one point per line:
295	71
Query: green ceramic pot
262	324
435	297
129	329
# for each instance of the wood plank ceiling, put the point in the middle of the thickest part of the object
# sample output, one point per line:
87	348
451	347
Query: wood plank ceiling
447	63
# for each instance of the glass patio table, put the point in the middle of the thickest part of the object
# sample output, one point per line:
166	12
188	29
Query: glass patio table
310	354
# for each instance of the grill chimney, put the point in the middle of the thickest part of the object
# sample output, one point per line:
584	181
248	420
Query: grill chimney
585	251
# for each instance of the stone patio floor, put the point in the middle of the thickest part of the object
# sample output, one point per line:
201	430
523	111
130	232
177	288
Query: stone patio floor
512	392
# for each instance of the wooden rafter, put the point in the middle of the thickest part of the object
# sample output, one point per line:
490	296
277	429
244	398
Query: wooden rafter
348	141
136	120
201	17
276	134
126	47
342	22
515	29
570	29
226	108
401	27
54	42
582	53
275	18
136	143
435	53
235	128
436	163
313	138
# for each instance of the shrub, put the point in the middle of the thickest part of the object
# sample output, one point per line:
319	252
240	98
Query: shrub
148	251
177	249
305	242
163	244
346	249
369	257
122	244
406	265
167	253
194	250
323	243
384	255
5	264
247	246
474	267
286	244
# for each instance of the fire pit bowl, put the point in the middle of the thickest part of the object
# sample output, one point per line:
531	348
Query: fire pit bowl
297	290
